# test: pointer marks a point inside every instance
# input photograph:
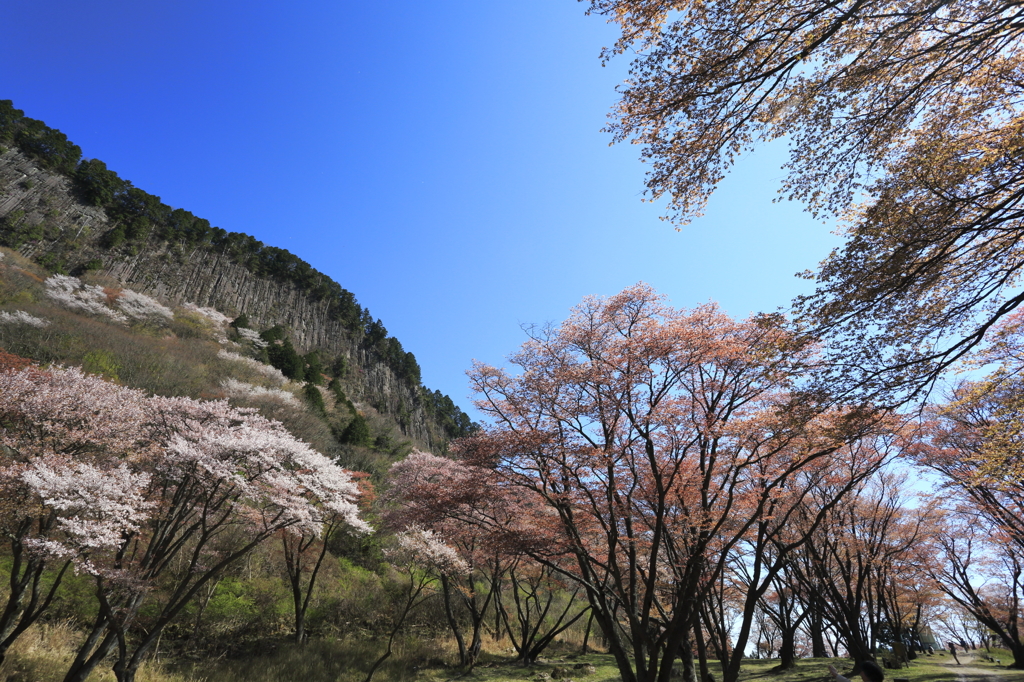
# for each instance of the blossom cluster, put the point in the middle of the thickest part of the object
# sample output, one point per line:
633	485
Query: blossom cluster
234	449
66	438
253	337
67	411
234	388
268	371
110	463
141	307
72	293
94	505
22	317
212	314
427	549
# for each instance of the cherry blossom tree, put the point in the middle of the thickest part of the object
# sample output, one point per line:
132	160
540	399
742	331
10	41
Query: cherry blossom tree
983	572
304	554
66	489
222	480
544	604
784	526
974	439
859	563
652	440
423	557
899	117
456	501
780	612
72	293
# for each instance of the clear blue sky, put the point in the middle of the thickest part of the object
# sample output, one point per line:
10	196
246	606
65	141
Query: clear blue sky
443	161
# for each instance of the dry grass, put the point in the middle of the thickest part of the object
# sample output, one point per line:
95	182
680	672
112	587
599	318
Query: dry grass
44	653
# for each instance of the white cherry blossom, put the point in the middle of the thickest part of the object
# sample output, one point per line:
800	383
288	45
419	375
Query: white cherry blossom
22	317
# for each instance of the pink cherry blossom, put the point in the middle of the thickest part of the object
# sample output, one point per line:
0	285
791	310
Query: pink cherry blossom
426	549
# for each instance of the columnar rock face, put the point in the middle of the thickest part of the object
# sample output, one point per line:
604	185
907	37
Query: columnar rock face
45	199
59	229
210	279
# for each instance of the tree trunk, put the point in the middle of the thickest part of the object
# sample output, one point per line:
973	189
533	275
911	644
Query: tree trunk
787	650
476	646
453	623
686	658
1018	657
817	631
125	672
586	633
17	616
702	655
94	649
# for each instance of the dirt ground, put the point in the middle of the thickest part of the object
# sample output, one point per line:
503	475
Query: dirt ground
966	672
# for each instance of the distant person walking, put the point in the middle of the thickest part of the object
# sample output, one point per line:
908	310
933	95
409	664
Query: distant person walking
952	650
869	672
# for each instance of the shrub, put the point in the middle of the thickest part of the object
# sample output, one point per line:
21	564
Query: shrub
283	356
187	324
101	362
314	398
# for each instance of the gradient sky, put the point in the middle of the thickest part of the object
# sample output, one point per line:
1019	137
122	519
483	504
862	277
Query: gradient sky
443	161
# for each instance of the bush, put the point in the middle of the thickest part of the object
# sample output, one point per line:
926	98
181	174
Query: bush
283	356
101	362
189	325
357	433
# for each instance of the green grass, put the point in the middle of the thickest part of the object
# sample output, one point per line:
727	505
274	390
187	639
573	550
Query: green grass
346	661
42	655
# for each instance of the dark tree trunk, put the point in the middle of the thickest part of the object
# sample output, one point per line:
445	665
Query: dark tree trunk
1018	658
94	649
586	634
453	623
702	654
25	584
817	630
686	658
787	651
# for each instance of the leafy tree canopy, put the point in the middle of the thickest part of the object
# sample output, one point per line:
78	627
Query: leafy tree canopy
904	120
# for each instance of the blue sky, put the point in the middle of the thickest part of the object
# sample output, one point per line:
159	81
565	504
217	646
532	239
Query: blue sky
443	161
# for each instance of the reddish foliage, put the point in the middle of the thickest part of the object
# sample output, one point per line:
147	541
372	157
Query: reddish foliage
9	362
367	492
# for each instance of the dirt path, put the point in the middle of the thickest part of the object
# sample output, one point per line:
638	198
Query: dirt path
968	673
